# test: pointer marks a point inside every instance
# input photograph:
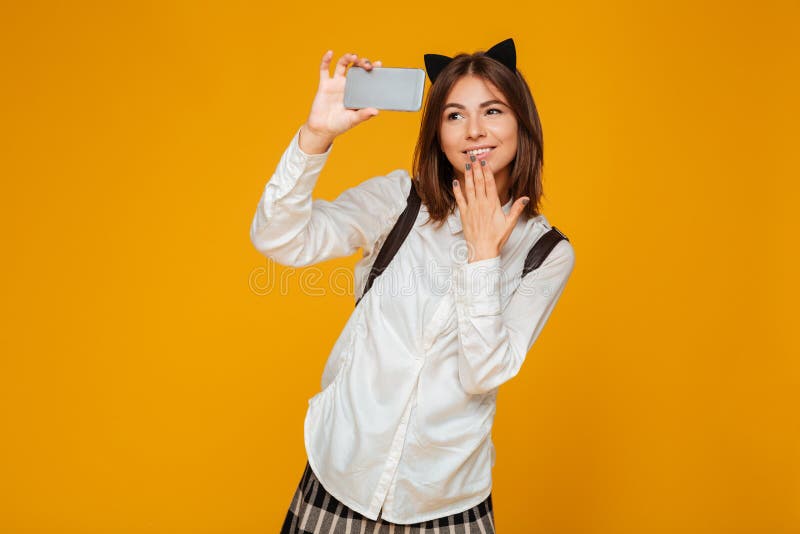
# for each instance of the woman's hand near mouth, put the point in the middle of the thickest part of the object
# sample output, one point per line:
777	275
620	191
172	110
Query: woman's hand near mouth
485	224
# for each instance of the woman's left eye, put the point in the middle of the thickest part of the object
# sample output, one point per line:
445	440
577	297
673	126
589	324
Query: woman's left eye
453	114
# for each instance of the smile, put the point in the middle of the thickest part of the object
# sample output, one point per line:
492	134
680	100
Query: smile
481	153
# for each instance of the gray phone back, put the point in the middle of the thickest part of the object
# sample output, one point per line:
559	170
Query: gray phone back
395	89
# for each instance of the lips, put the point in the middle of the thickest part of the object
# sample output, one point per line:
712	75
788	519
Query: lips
480	156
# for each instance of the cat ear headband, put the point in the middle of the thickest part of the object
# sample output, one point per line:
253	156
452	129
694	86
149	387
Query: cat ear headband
504	52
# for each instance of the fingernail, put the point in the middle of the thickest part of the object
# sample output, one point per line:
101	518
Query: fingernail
472	158
483	163
469	166
525	201
455	183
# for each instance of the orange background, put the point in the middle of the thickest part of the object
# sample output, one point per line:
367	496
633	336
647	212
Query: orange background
147	384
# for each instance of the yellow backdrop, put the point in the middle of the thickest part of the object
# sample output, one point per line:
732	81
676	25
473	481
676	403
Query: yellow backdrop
151	381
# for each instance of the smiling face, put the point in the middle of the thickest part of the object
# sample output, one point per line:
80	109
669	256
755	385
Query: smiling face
476	115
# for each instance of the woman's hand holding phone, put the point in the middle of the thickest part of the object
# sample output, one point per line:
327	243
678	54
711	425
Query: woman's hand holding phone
329	117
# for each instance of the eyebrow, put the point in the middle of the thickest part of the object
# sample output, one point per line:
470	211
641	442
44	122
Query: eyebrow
483	105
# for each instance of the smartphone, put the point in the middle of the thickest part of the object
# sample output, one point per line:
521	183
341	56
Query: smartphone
394	89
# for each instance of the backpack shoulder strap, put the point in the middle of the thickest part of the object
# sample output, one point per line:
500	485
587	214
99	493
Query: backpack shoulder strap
395	238
542	248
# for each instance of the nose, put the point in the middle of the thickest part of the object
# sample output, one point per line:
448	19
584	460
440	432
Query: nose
475	128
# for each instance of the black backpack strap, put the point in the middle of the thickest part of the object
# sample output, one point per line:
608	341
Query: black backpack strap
542	248
395	238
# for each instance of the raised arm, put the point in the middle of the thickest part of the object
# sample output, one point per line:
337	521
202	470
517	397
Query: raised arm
292	228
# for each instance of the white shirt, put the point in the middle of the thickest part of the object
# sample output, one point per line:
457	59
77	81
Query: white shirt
402	424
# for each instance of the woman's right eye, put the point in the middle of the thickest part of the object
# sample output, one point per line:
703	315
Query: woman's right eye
450	117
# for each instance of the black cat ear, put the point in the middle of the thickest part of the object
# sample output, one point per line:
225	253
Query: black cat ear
434	64
505	52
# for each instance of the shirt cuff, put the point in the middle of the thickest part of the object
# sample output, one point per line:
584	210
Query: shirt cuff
478	287
306	155
300	162
297	174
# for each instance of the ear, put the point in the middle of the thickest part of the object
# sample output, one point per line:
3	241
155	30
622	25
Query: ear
505	52
434	64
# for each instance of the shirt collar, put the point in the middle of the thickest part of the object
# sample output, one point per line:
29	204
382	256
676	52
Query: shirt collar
454	219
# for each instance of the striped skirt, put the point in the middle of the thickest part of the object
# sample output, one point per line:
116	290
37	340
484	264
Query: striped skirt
314	510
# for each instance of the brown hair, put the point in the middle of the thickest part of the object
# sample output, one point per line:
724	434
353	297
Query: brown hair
433	171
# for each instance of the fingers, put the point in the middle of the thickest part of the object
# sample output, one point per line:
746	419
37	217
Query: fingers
325	66
344	61
517	208
365	64
469	183
480	180
461	202
514	213
341	65
365	113
489	183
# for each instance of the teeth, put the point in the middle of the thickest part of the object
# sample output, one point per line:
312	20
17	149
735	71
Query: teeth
479	151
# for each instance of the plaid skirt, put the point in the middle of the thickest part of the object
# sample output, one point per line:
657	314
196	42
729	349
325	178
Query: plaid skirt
315	511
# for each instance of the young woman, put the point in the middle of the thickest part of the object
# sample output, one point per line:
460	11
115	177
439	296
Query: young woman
400	433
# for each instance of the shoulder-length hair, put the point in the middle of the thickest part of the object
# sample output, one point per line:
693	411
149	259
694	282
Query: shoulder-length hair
433	171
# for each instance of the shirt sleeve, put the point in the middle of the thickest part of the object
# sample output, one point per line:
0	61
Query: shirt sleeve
293	229
495	341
